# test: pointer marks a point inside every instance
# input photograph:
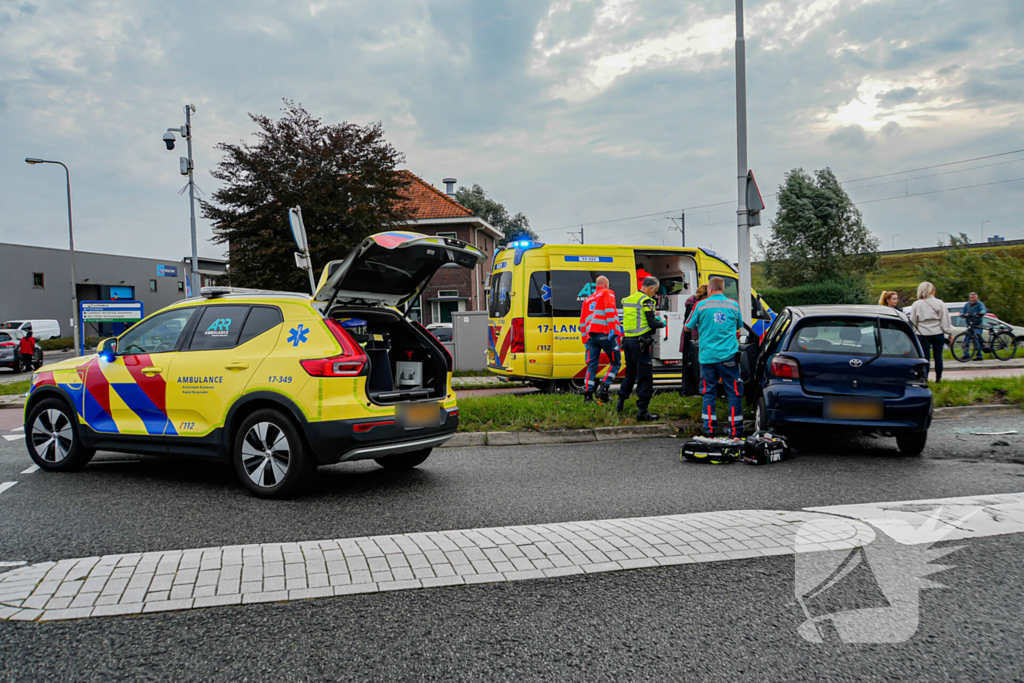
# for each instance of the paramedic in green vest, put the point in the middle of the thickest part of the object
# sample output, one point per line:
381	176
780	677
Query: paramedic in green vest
717	318
639	323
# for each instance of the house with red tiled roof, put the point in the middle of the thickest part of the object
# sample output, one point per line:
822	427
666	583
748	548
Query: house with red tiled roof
453	288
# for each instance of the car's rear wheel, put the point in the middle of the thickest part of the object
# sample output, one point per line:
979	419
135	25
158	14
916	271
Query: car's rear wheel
37	359
761	423
404	461
576	385
911	443
270	456
51	433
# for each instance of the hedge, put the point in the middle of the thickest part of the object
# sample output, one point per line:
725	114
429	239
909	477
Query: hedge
64	343
828	292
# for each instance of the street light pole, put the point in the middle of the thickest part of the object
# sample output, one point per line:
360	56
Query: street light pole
192	203
894	236
189	168
983	230
742	211
71	243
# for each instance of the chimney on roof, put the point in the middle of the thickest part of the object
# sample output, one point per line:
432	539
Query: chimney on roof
449	187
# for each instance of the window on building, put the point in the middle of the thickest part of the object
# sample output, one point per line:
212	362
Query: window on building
181	286
415	310
451	235
37	280
152	285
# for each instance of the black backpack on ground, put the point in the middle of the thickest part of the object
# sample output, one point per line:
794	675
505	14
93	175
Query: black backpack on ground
704	450
763	448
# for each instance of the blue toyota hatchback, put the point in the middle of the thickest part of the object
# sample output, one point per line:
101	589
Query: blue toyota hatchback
848	367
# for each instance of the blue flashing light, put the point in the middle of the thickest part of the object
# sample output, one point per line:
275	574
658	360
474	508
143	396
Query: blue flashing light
521	247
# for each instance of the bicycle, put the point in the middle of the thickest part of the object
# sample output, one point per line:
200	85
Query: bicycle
967	345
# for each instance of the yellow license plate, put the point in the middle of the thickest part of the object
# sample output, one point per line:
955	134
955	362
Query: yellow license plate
419	415
854	409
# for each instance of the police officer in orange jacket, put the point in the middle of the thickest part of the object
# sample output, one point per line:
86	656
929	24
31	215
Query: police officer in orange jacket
600	331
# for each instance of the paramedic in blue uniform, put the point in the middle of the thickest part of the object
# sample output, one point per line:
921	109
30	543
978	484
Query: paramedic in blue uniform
717	318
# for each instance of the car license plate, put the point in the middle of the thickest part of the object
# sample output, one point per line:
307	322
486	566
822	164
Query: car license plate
854	408
420	415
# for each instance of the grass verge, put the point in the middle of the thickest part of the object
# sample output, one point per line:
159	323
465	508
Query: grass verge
14	388
545	412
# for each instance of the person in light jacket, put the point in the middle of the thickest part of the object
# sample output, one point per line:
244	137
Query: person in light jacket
930	319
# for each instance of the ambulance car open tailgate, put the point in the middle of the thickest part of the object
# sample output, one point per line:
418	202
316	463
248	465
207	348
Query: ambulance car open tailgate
392	268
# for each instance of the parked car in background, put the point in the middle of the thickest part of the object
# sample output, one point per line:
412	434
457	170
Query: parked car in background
41	329
9	358
987	323
857	368
441	331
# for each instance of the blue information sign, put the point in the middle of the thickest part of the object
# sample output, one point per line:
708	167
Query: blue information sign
167	271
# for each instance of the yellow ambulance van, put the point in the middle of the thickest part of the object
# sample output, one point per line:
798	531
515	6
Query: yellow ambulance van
537	290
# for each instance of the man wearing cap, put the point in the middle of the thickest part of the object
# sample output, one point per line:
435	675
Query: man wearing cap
640	323
717	318
600	331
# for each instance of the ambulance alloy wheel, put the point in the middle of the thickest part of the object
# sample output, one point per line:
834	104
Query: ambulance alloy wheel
51	433
270	456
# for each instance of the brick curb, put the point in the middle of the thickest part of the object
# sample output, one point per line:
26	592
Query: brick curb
469	439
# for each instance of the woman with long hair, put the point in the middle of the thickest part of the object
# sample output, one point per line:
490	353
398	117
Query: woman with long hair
930	319
890	299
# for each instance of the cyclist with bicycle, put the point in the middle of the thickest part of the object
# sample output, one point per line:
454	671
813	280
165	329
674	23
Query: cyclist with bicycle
972	313
931	321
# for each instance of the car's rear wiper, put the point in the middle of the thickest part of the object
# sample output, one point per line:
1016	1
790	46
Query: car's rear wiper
878	342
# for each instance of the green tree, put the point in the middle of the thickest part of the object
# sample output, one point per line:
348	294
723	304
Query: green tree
818	233
998	278
515	227
342	175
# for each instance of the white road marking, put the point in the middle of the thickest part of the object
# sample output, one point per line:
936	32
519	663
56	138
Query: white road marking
30	470
971	516
276	572
13	437
6	485
19	429
17	563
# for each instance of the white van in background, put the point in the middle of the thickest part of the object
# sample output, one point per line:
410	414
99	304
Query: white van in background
40	329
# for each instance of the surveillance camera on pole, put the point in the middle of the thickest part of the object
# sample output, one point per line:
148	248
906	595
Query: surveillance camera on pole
186	167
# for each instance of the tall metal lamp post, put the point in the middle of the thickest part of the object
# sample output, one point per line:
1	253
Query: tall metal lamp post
742	210
71	240
187	167
983	230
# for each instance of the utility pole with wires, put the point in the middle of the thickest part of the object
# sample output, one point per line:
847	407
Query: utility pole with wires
577	238
681	227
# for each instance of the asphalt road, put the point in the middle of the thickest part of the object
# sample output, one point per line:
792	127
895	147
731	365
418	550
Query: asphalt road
720	621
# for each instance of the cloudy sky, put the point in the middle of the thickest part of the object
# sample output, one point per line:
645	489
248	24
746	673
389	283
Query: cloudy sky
570	111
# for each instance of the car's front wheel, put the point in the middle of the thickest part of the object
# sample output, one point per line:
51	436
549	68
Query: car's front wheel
270	456
911	443
404	461
51	432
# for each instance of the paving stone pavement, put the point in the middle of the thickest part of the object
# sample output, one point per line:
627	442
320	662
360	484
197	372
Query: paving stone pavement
275	572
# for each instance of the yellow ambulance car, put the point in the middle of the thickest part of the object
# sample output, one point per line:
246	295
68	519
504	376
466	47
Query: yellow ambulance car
275	382
537	290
